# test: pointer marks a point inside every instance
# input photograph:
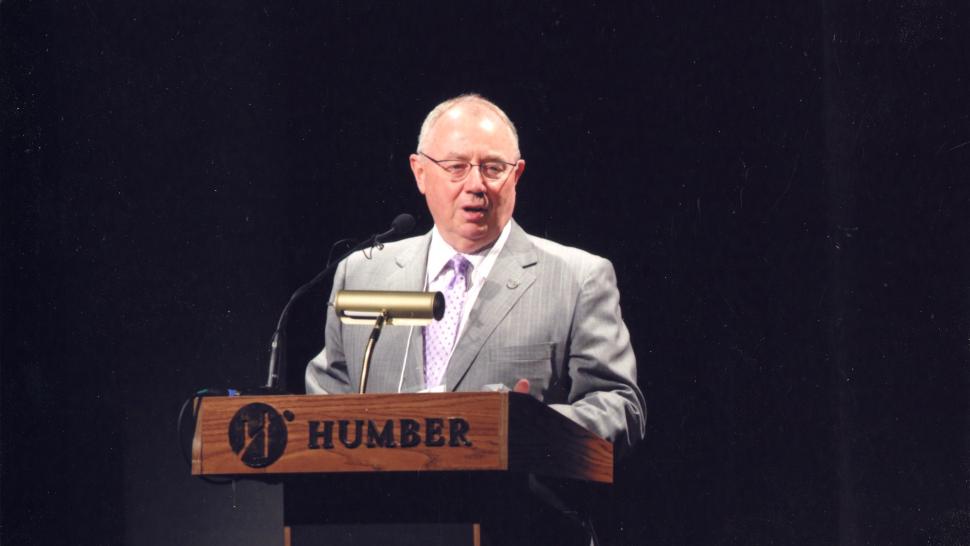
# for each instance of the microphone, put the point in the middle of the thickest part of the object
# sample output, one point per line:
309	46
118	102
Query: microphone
275	382
401	225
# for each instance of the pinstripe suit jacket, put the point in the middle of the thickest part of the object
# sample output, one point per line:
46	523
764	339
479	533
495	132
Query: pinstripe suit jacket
547	313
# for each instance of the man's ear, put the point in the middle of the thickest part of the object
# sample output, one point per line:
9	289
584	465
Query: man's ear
519	169
417	168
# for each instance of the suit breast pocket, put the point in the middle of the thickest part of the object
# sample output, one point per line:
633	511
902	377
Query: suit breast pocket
509	364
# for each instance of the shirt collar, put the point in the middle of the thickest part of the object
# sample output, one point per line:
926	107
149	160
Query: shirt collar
440	253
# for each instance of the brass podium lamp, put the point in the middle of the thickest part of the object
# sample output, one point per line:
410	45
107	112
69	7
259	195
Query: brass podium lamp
391	308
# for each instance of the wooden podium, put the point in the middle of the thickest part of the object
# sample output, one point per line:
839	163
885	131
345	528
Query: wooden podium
451	467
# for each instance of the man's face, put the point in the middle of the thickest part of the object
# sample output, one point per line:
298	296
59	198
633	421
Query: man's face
471	213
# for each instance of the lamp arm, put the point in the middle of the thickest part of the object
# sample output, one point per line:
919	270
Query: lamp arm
375	334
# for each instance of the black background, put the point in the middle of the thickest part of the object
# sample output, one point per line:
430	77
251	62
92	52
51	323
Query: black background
782	188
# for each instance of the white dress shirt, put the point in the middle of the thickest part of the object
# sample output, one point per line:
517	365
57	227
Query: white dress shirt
440	253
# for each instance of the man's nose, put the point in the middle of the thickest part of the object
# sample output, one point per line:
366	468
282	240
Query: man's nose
474	182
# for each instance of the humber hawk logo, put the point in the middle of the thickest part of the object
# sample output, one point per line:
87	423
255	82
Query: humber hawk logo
257	434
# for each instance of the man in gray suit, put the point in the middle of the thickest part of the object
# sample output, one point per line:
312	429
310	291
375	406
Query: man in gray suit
522	312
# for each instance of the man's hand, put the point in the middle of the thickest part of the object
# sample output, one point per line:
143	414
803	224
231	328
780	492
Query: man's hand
521	386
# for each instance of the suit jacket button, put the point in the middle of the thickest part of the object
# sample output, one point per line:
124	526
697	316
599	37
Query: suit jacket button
512	283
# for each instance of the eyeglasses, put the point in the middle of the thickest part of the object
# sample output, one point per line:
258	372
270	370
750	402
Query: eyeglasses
493	171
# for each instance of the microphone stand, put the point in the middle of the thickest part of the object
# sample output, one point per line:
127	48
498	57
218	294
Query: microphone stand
276	380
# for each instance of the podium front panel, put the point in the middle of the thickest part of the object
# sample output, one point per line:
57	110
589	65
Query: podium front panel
291	434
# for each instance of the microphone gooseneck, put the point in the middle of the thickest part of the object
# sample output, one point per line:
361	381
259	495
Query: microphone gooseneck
275	382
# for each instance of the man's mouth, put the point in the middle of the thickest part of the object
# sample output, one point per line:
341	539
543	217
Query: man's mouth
475	214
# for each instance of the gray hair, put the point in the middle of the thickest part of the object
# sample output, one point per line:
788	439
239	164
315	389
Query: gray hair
439	110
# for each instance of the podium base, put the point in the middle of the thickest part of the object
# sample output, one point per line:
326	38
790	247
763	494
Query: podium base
454	534
405	509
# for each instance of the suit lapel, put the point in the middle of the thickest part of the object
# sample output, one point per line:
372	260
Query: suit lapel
407	273
411	262
508	280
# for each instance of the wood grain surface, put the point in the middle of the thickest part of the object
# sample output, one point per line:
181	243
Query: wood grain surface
543	441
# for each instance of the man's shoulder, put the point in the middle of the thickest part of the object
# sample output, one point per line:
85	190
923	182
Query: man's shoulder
573	261
393	252
568	254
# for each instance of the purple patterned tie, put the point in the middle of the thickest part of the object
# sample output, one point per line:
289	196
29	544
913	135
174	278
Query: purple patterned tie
439	336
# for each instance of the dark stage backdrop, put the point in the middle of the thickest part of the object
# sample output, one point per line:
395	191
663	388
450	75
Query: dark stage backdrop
782	188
